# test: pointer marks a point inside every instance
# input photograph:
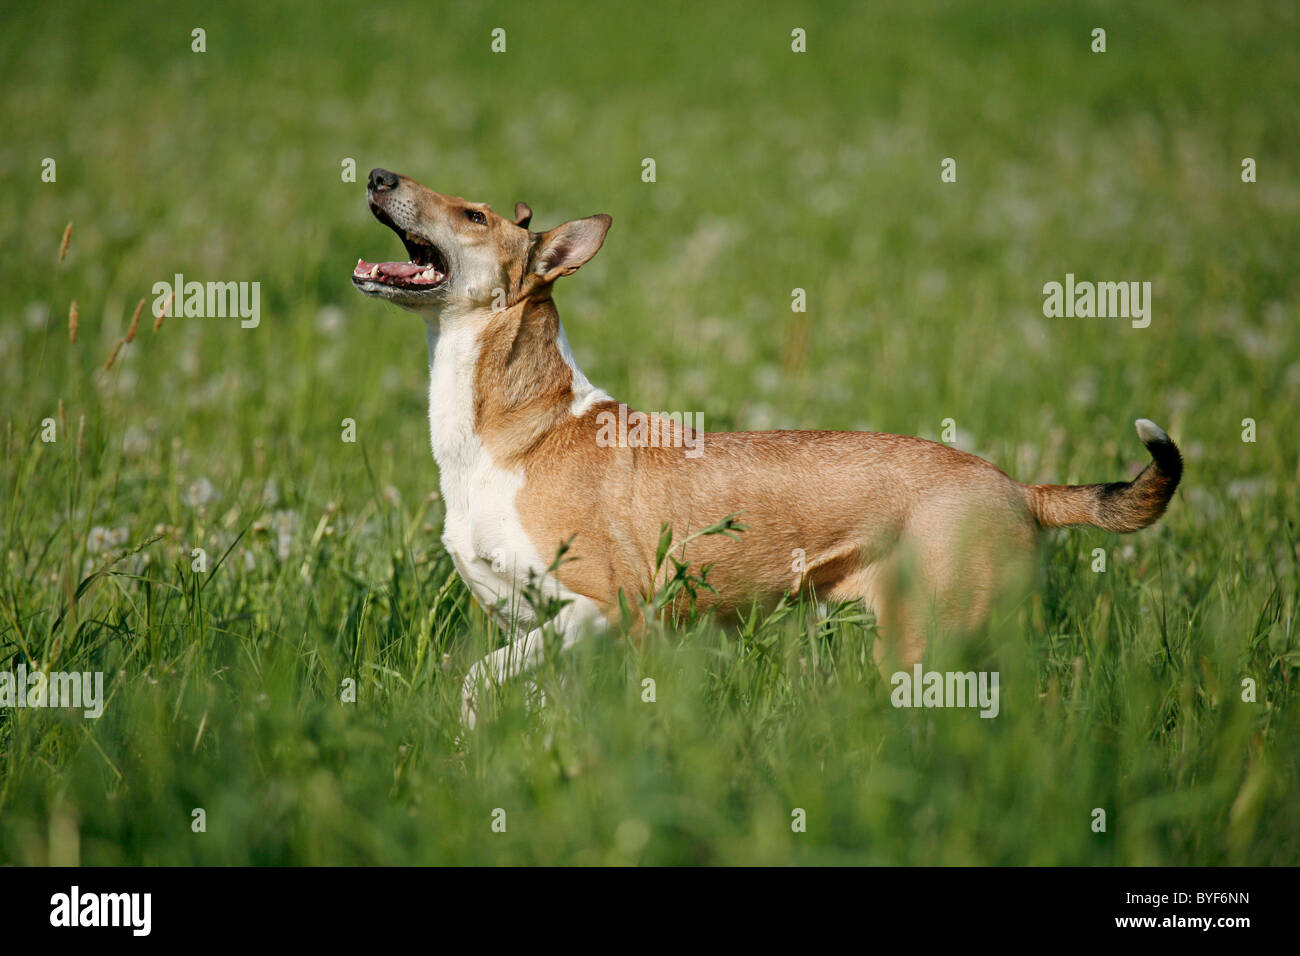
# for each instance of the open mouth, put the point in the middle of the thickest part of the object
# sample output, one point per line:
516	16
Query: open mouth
426	269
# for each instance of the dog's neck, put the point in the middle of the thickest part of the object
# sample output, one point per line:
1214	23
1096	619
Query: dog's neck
500	381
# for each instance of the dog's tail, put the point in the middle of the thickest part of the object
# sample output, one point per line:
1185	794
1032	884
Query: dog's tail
1118	505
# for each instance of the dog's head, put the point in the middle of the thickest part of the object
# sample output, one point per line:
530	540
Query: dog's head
463	257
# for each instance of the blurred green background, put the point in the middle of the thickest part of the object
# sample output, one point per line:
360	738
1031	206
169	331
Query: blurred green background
775	170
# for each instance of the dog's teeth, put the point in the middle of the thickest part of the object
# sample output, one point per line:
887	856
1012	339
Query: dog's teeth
374	272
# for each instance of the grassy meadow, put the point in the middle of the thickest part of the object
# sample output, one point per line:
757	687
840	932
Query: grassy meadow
774	171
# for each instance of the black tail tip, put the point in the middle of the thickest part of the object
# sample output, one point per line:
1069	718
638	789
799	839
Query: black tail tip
1161	446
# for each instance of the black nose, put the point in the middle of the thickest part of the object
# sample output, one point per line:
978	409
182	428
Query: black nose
381	179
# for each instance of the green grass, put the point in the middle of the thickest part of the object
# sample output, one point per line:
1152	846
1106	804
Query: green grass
819	171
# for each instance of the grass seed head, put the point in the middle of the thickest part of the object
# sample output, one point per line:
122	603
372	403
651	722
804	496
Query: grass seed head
135	321
167	304
112	356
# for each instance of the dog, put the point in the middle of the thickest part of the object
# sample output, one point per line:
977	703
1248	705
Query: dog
924	534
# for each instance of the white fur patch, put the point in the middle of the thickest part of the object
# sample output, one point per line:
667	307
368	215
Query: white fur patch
483	532
1149	431
585	394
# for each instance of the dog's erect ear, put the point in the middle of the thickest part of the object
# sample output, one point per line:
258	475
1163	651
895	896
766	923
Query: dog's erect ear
562	250
523	214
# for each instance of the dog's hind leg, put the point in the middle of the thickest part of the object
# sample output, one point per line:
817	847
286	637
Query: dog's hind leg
942	584
900	628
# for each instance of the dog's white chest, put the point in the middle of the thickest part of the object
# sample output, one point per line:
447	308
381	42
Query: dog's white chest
482	532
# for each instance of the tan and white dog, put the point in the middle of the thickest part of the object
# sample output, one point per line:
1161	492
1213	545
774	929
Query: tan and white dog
924	534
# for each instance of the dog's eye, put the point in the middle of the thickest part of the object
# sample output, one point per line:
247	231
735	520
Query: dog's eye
473	215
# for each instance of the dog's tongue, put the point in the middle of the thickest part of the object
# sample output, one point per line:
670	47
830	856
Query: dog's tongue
400	270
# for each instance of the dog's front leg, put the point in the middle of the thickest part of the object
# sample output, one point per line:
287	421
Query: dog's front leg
577	619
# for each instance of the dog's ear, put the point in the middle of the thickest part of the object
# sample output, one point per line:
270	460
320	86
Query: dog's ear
562	250
523	214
